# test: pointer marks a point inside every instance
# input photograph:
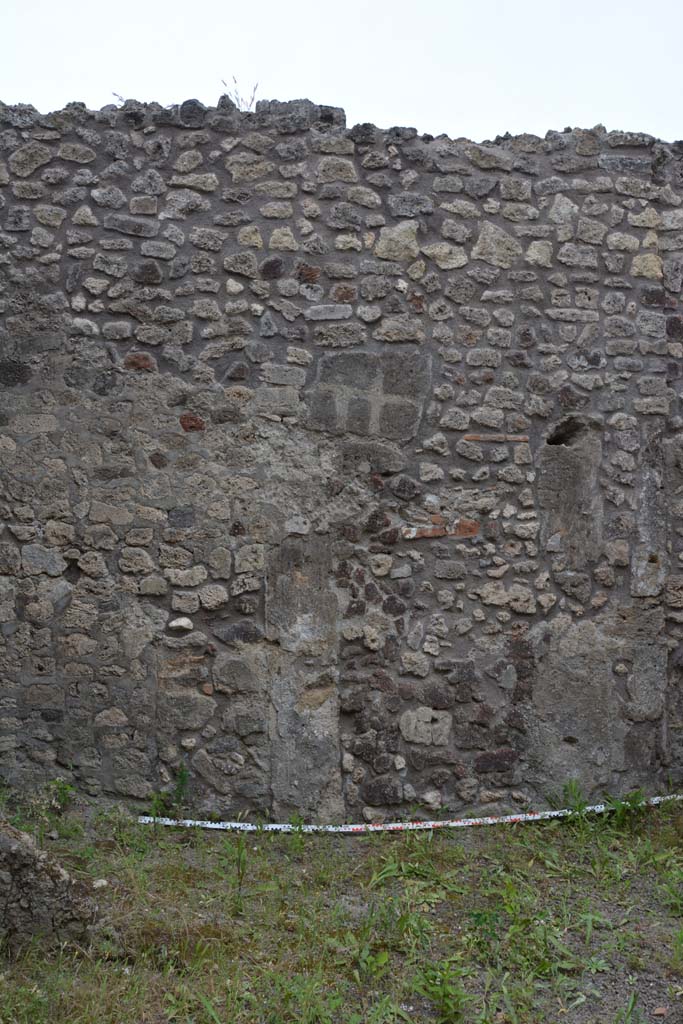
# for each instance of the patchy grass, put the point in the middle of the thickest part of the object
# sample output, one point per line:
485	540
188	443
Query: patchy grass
579	920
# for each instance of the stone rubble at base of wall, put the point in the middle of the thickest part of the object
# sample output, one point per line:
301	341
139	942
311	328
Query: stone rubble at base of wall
37	896
341	469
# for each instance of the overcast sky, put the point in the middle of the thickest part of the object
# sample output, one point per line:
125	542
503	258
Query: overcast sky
454	66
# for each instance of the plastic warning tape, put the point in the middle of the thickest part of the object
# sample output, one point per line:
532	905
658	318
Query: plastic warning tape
394	826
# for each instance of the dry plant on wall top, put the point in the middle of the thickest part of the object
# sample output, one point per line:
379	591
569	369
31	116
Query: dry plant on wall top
242	102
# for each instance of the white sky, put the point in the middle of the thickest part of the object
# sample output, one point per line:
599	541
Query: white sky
454	66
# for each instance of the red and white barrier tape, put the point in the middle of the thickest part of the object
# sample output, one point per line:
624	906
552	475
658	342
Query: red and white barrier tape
393	826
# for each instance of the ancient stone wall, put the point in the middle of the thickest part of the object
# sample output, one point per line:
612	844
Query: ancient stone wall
342	467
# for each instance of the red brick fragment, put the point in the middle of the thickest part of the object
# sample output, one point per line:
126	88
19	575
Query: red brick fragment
496	438
500	760
307	273
458	528
418	532
464	528
139	361
190	421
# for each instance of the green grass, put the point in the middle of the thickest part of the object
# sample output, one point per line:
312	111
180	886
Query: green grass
578	920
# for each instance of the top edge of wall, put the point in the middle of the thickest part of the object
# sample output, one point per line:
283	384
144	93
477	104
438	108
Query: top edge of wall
286	117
